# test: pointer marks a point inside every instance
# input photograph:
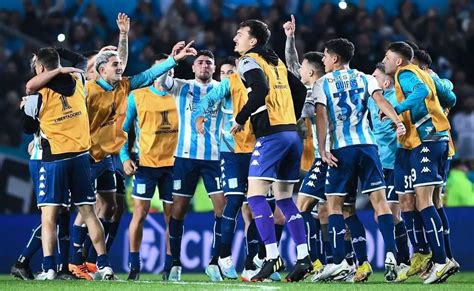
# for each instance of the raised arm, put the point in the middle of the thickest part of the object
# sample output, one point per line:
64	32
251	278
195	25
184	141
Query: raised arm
291	54
123	23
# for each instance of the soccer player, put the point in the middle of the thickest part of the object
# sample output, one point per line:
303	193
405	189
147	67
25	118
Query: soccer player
342	97
387	145
277	152
196	155
60	110
152	111
427	136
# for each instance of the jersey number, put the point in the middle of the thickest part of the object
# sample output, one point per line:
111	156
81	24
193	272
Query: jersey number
354	96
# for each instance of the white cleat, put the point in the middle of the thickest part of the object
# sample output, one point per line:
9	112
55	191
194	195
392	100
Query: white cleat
227	267
335	271
390	267
318	275
214	273
106	273
49	275
247	275
440	272
350	276
258	262
175	273
402	273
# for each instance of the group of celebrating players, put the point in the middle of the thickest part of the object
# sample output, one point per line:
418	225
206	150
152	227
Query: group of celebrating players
385	134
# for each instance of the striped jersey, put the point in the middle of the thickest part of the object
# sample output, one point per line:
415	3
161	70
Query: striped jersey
345	94
191	144
37	152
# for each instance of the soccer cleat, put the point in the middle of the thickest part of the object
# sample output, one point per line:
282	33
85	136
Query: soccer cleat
350	275
456	264
22	271
164	275
402	272
317	266
318	276
106	273
426	272
175	273
247	275
419	263
258	262
363	272
269	267
80	271
275	277
134	275
227	268
301	270
440	272
214	273
48	275
336	272
66	275
390	267
91	267
452	271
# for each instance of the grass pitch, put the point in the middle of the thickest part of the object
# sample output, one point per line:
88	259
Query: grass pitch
458	282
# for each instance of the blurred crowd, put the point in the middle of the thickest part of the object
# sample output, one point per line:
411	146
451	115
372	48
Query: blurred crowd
157	25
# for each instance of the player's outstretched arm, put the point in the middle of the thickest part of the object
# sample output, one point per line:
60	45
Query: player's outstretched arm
389	111
123	23
217	94
40	80
291	54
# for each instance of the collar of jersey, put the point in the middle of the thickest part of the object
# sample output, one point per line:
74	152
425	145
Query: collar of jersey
106	86
156	91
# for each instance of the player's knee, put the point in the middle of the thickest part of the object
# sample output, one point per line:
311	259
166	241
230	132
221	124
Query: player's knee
305	203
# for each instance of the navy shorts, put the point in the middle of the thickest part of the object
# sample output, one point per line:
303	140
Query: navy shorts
402	173
34	167
428	163
313	182
235	172
186	173
119	174
389	175
277	157
64	181
355	162
147	179
103	175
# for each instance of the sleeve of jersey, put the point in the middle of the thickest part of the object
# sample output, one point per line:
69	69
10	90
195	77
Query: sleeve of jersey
419	91
318	95
147	77
257	86
30	113
372	85
444	88
130	117
216	94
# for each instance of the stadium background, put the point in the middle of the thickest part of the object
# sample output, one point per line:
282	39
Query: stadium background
445	28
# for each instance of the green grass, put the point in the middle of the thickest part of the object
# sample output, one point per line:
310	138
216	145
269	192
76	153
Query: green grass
461	281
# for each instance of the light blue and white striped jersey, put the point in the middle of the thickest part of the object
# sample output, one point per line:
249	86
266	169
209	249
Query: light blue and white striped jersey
191	144
310	99
37	152
345	94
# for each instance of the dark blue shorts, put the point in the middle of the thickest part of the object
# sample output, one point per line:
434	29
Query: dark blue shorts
355	162
119	174
147	179
314	181
65	181
428	163
235	172
277	157
389	175
103	175
34	167
186	173
402	173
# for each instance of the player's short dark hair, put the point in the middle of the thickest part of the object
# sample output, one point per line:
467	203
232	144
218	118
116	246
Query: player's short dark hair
412	44
206	53
380	67
48	57
90	54
258	29
161	56
423	57
315	59
230	60
401	48
341	47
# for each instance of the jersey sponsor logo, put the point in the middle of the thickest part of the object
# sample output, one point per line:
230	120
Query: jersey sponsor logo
311	184
425	160
425	150
255	163
313	176
425	170
258	144
165	123
256	153
41	193
65	103
42	186
376	183
294	217
42	178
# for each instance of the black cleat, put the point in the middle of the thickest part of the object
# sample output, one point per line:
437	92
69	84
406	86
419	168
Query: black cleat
134	275
66	275
22	271
269	267
164	275
302	269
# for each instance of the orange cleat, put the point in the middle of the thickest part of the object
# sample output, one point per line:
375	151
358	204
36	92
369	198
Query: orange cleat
80	271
